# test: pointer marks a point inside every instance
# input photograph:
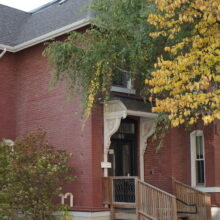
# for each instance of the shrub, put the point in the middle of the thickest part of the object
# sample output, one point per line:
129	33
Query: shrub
31	175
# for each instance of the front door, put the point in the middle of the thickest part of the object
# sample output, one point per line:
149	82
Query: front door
123	150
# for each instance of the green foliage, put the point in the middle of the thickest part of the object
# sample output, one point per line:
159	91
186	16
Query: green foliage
162	127
31	175
117	43
64	213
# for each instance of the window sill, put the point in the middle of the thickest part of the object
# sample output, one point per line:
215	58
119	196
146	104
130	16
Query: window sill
122	90
208	189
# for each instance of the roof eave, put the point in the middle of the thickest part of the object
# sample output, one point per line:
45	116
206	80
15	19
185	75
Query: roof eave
71	27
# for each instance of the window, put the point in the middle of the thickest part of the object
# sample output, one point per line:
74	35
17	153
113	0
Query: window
197	158
122	83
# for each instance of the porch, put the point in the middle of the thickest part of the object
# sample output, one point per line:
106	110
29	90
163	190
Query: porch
129	198
126	131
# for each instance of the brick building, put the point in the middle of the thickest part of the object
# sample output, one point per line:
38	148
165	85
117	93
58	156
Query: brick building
116	139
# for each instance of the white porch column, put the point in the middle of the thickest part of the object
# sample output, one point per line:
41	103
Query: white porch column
147	128
114	111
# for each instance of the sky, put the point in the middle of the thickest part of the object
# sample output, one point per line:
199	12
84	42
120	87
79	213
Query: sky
25	5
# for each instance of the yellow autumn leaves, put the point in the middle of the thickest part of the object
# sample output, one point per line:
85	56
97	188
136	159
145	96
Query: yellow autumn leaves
100	80
92	91
187	86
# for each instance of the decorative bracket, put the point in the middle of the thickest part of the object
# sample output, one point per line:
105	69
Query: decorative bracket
114	111
147	128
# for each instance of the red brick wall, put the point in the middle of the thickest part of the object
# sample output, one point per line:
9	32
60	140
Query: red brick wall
171	160
157	166
213	164
27	105
209	155
7	96
180	147
25	88
97	155
174	160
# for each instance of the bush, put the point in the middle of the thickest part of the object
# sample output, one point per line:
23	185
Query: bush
31	176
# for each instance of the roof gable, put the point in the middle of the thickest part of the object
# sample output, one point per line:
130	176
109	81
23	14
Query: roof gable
18	28
10	21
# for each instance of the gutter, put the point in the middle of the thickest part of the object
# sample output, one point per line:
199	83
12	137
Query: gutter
3	53
48	36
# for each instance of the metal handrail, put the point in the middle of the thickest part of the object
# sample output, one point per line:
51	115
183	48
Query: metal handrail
187	204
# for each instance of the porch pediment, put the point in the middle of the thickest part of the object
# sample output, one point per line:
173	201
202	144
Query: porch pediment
119	108
133	107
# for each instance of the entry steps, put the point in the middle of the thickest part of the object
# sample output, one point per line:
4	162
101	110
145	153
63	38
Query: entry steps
129	198
125	214
130	214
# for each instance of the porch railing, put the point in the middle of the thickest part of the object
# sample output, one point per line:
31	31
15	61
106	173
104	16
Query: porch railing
150	202
120	191
154	204
192	202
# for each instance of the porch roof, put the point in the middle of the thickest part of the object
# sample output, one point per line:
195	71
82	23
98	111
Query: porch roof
134	104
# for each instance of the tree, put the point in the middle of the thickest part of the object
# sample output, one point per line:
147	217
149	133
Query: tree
186	82
117	43
182	39
31	175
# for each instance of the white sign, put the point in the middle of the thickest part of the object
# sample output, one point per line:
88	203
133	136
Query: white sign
111	151
106	165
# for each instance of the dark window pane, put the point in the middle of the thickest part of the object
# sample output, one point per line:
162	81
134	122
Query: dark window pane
121	80
127	128
200	172
199	147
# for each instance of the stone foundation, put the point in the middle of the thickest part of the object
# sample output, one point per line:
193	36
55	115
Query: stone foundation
104	215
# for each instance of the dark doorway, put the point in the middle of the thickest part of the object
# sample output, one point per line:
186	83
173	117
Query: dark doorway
123	150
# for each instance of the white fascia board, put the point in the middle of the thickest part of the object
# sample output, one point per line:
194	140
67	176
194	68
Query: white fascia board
48	36
8	48
142	114
122	90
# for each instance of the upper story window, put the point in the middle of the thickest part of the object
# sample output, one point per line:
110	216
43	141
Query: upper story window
197	158
122	83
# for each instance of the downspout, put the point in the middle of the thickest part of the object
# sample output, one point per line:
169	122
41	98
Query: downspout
2	53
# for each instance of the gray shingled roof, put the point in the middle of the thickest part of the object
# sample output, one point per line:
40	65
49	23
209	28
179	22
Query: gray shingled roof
17	27
133	104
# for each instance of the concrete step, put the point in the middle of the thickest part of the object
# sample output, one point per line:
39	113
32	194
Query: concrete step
125	214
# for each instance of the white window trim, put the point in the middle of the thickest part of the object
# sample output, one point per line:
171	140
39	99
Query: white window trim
122	90
128	89
193	156
209	189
